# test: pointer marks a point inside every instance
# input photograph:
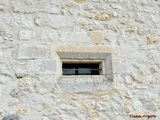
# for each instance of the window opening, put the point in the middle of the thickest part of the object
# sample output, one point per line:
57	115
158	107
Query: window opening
81	68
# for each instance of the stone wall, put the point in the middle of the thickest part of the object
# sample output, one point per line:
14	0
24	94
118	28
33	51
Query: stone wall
31	32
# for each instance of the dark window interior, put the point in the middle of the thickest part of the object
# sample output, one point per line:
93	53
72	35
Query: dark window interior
80	68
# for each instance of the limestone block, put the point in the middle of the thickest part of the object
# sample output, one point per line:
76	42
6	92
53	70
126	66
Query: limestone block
155	81
129	94
140	18
151	106
45	67
140	31
152	39
80	1
26	35
88	7
24	68
34	51
137	105
115	14
13	101
21	21
81	21
117	6
17	92
105	97
84	84
142	2
54	10
77	87
38	20
102	106
2	8
104	16
111	1
97	36
57	21
82	96
49	81
15	9
21	111
6	36
90	105
101	7
77	36
49	35
139	79
42	91
4	79
154	19
124	21
114	28
128	79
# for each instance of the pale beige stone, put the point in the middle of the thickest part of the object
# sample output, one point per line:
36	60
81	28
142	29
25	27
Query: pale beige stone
97	36
22	111
104	16
140	31
139	79
152	39
80	1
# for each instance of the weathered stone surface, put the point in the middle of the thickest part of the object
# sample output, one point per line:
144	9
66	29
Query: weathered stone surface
37	35
75	84
49	35
78	36
103	16
45	66
21	21
140	18
97	36
26	35
80	1
34	51
152	39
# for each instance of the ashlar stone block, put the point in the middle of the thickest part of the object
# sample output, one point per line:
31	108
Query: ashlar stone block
79	34
26	35
34	51
45	66
21	21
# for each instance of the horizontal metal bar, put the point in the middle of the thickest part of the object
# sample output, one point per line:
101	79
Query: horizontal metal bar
81	69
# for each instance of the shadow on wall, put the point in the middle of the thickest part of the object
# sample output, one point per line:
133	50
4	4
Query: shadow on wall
11	117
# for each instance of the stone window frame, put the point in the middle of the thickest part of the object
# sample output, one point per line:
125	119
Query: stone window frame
77	82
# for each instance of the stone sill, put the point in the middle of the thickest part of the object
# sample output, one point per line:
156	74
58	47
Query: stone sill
84	83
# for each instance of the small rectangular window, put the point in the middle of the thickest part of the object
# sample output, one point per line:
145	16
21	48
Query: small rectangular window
81	68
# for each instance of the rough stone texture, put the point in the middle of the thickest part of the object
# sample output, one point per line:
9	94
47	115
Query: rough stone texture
33	32
32	51
97	36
